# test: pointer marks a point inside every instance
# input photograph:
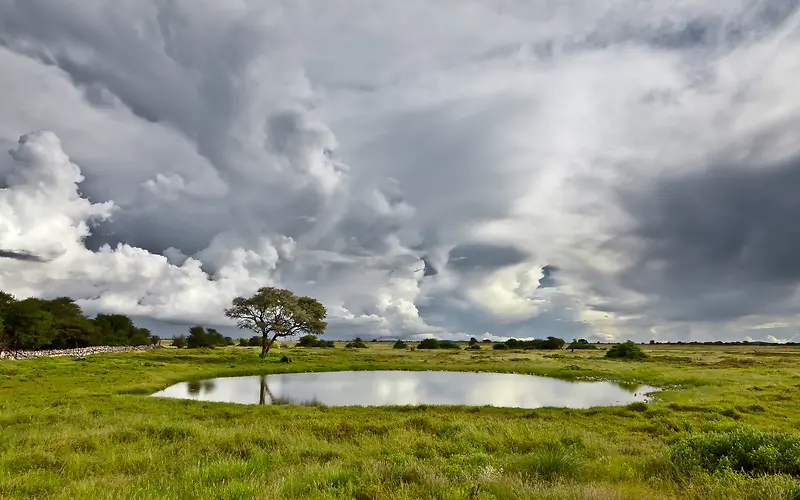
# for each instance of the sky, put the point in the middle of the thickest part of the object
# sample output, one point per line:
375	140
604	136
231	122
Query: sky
492	168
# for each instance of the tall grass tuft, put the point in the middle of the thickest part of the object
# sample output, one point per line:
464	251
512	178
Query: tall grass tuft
550	464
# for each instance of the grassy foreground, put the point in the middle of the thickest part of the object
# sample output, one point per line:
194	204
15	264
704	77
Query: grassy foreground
86	429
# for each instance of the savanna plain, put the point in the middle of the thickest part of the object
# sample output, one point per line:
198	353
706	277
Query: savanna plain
724	426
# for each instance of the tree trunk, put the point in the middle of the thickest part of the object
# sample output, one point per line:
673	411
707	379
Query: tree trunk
265	345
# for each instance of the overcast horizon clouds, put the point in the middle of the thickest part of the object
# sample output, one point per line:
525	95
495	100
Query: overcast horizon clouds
491	168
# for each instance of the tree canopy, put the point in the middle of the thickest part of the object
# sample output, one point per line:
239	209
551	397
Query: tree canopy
33	323
275	312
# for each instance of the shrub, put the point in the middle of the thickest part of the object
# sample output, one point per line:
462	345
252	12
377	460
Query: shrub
399	345
500	347
548	343
243	343
255	341
357	343
626	350
474	347
740	450
285	359
428	344
446	344
179	342
581	345
312	341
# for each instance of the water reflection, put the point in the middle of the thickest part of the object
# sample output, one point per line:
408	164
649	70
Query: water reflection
383	388
196	386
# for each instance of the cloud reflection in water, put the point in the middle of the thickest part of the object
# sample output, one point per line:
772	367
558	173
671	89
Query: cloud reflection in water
386	388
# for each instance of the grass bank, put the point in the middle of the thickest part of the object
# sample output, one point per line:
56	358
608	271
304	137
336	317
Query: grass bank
86	429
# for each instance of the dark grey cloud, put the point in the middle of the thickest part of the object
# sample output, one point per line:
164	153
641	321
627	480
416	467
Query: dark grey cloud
468	257
430	270
720	242
548	279
17	255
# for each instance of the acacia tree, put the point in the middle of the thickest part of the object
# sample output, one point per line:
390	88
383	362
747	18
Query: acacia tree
274	312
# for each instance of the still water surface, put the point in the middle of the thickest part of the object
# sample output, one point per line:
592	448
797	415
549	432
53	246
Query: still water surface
385	388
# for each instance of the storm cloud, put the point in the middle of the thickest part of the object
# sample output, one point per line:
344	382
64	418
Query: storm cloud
168	156
26	256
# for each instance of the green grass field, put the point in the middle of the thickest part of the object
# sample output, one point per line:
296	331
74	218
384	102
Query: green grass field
87	429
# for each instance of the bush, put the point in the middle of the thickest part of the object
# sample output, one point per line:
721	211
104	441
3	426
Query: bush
400	345
255	341
474	347
206	337
580	345
500	347
357	343
313	341
285	359
740	450
548	343
179	342
626	350
428	344
446	344
243	343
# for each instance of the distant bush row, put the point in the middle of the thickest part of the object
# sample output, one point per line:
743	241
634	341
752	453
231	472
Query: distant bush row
200	337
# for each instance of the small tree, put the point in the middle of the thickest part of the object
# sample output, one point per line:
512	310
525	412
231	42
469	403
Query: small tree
400	345
274	312
357	343
428	344
626	350
179	342
473	341
198	337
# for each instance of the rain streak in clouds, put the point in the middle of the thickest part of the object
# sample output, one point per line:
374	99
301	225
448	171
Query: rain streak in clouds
495	168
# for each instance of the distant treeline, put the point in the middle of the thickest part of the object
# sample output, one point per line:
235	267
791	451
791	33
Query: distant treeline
720	342
33	324
202	337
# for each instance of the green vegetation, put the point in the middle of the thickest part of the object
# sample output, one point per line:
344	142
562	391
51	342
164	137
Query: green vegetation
723	428
739	450
428	344
548	343
581	344
437	344
626	350
313	341
32	324
357	343
202	337
399	345
276	313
